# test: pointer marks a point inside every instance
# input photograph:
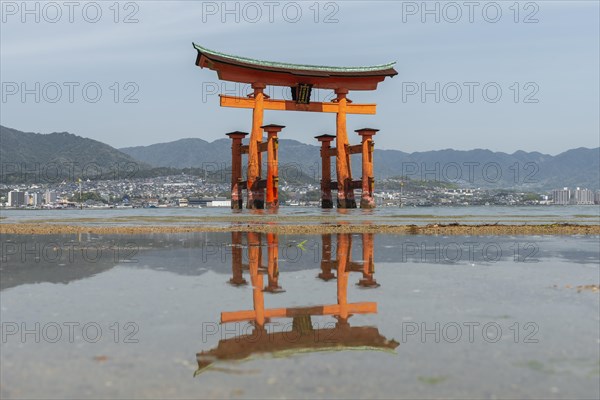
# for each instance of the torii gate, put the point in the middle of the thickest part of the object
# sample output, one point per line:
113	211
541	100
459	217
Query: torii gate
303	336
301	79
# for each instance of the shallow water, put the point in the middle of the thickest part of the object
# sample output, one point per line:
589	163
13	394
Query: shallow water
336	316
388	215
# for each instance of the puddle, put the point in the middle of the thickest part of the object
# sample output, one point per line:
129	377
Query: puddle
264	315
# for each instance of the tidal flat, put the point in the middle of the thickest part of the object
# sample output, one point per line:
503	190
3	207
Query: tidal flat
573	220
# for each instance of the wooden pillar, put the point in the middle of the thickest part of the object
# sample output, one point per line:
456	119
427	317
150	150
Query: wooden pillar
326	199
254	261
368	281
256	197
326	262
259	159
237	198
345	193
368	180
273	264
343	257
272	164
237	278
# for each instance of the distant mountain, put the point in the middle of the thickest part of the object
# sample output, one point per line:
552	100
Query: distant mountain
298	162
183	153
59	155
475	168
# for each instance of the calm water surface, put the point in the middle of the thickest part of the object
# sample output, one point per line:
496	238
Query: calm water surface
405	215
238	315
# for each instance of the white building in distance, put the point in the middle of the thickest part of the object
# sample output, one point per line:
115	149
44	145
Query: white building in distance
579	196
583	196
561	196
16	198
50	197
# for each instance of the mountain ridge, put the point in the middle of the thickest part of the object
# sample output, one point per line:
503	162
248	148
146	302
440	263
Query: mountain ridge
471	168
475	168
59	155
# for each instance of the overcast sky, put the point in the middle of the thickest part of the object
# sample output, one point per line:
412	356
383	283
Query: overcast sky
542	56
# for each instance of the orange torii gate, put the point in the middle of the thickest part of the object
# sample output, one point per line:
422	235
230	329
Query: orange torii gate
343	264
303	335
301	79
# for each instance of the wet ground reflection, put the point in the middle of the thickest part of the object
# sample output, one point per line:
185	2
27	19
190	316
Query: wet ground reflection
301	335
388	316
31	259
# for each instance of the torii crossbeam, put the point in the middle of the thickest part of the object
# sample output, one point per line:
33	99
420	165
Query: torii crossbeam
301	79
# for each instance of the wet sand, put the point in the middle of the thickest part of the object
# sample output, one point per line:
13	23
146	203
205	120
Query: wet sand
431	229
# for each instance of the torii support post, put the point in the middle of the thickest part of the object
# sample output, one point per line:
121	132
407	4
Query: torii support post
368	180
272	164
345	193
326	199
256	197
326	262
237	198
343	257
273	264
254	264
368	281
237	278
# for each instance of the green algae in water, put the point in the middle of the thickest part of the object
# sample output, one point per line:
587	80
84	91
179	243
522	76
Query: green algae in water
536	366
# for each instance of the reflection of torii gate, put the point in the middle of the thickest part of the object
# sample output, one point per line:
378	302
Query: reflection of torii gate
301	79
303	336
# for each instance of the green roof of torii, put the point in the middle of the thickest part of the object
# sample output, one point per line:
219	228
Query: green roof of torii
384	68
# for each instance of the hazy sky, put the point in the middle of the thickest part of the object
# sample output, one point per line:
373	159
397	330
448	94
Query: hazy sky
543	56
